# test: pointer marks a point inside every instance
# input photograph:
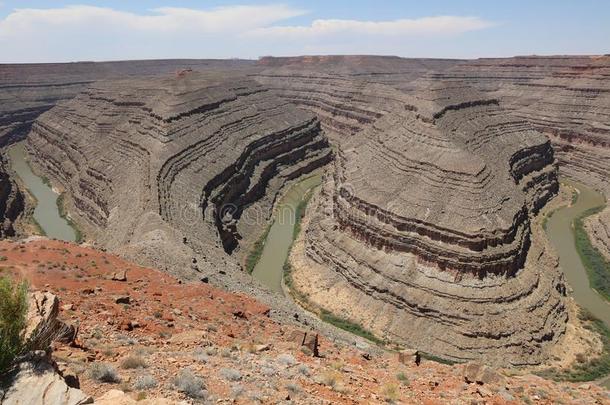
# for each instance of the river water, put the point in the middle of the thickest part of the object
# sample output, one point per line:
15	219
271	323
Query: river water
46	212
559	231
270	268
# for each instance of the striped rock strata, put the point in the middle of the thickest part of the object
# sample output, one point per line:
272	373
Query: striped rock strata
149	164
422	231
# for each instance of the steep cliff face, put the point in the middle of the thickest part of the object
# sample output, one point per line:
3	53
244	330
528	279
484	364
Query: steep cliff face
199	158
422	233
424	223
566	98
11	200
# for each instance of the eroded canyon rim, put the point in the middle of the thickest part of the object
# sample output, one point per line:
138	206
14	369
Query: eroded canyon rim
422	231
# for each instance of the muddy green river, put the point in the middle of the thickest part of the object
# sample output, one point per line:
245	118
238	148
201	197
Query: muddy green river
559	230
46	212
270	268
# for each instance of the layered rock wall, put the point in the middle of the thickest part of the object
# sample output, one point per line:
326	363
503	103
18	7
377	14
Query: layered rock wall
199	158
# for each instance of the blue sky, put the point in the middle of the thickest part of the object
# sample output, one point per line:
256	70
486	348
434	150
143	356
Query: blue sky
57	31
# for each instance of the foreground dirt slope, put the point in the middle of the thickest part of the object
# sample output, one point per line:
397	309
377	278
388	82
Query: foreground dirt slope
229	342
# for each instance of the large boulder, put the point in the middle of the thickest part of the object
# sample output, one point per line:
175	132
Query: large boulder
43	327
481	374
43	309
36	381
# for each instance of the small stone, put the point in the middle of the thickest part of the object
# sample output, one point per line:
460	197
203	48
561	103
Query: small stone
262	348
119	276
123	299
409	357
67	307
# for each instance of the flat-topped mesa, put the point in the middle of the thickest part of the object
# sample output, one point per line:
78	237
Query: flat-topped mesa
156	161
424	229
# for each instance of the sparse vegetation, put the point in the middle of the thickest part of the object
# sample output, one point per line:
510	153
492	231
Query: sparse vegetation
257	250
349	326
390	392
104	372
61	208
437	359
598	268
133	362
586	369
189	384
13	310
230	374
286	359
145	382
402	377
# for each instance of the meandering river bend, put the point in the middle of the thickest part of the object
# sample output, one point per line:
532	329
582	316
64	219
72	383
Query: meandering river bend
270	268
46	212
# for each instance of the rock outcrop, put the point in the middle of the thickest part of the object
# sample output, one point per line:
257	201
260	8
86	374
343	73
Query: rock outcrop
36	380
199	158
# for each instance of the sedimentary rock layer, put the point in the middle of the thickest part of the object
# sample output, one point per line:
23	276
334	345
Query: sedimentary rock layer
12	202
425	224
199	158
28	90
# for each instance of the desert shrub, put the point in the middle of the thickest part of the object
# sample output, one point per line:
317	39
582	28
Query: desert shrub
303	369
390	392
402	377
104	373
200	355
145	382
230	374
189	384
286	359
293	388
13	311
133	361
237	391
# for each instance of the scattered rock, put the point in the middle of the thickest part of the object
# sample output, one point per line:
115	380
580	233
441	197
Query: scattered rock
301	338
409	357
123	299
481	374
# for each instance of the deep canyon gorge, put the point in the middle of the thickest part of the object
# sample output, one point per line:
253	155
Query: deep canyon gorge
426	228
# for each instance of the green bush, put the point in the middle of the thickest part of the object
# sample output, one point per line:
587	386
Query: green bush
13	311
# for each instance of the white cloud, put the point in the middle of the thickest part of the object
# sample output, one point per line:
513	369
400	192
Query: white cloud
97	33
160	20
427	26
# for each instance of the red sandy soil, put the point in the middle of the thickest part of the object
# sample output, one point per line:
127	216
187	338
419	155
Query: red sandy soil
215	334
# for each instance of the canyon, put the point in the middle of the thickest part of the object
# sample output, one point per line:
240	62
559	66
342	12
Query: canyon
425	229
